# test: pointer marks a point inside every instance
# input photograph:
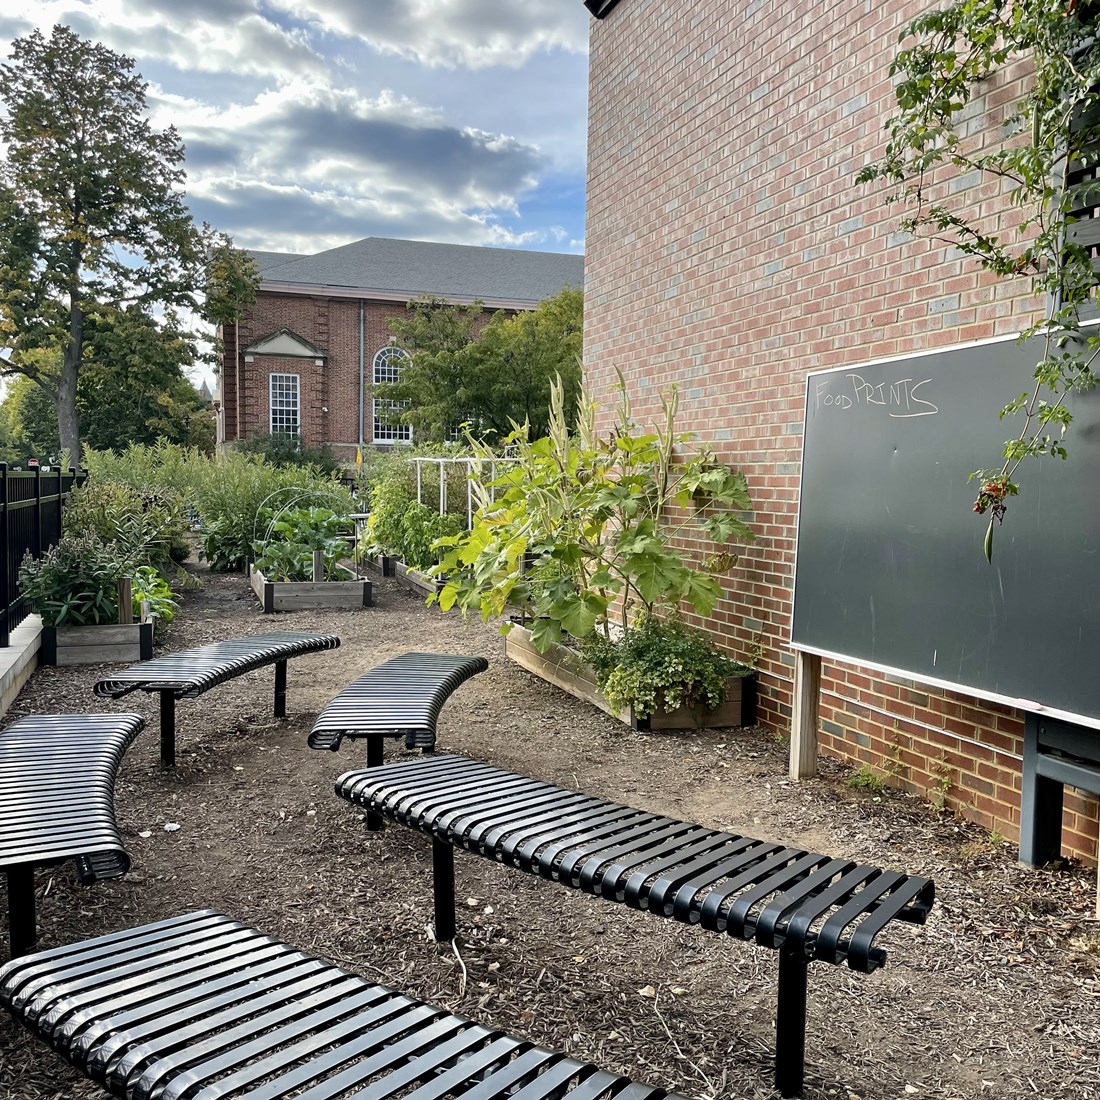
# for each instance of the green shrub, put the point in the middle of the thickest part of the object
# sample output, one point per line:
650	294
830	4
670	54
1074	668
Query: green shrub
281	450
75	582
149	525
420	527
150	587
659	665
392	490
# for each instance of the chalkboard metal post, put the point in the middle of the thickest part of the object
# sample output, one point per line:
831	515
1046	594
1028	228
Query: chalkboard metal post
807	692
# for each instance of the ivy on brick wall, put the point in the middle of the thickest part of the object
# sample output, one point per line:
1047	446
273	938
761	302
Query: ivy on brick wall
1016	193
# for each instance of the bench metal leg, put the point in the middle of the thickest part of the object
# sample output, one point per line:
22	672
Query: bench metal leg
22	932
790	1023
1040	805
167	729
280	689
375	822
443	879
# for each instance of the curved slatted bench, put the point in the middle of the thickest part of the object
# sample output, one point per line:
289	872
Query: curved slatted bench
804	905
57	785
189	673
202	1002
401	697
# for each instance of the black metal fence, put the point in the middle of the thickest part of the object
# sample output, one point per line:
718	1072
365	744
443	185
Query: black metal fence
30	519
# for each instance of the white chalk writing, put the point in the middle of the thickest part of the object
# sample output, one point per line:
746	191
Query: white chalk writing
899	399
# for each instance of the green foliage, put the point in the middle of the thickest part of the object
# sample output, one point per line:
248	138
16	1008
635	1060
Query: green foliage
659	665
578	523
281	449
420	528
148	525
492	381
75	582
233	496
950	56
392	490
865	778
93	217
149	587
286	551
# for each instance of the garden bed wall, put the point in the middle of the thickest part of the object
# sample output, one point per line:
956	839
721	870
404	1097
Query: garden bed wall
306	595
98	644
415	580
565	668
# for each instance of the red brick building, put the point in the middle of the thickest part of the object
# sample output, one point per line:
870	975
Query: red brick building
305	357
723	224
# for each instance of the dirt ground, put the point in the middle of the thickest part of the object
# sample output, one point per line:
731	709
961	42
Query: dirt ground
997	997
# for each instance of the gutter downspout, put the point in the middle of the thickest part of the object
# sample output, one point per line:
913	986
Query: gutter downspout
362	377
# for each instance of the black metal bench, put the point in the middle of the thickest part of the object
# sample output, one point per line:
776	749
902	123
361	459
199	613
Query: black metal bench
401	697
189	673
57	785
804	905
202	1002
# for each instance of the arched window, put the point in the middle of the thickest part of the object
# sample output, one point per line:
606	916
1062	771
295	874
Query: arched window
387	368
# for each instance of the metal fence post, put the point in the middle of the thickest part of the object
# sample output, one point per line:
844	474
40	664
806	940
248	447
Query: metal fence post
37	511
5	594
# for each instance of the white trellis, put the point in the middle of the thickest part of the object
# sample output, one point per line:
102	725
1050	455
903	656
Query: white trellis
473	469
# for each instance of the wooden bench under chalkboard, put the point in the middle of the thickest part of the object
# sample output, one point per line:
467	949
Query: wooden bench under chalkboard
190	672
202	1006
57	802
806	906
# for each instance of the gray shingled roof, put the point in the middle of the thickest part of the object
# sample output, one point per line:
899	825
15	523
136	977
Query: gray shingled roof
264	260
419	267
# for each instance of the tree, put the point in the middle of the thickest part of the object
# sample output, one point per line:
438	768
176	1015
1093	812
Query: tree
92	215
1040	163
492	381
131	389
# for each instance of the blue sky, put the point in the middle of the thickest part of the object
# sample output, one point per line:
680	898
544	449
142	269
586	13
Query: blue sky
311	123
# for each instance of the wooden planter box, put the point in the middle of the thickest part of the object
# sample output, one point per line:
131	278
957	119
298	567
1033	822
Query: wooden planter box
381	563
564	667
96	645
303	595
410	578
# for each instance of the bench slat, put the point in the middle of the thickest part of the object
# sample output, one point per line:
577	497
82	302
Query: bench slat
202	1005
193	671
818	906
57	802
400	697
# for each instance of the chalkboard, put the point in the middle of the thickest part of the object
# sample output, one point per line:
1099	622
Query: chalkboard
890	571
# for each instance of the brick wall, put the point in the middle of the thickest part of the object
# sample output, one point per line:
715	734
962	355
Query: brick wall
332	324
723	223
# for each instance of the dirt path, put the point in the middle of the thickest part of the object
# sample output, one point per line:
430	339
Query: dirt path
997	997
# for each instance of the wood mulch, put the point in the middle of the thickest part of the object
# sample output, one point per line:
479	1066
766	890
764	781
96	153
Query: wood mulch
997	997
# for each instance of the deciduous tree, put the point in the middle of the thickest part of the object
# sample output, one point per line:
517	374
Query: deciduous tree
93	216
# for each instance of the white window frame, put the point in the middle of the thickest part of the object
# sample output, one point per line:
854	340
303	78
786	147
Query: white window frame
284	397
387	368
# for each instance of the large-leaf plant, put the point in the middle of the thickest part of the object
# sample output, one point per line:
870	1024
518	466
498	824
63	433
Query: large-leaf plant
581	529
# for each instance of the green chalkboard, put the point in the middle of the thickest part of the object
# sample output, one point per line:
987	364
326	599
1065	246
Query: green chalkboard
890	570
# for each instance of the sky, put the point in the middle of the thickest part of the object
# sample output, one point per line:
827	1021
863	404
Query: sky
312	123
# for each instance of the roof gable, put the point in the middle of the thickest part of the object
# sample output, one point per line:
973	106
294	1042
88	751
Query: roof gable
285	344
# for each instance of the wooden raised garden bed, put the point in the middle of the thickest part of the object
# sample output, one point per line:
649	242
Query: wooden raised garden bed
564	667
304	595
417	581
98	644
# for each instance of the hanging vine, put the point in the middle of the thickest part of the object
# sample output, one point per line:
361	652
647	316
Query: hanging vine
1040	162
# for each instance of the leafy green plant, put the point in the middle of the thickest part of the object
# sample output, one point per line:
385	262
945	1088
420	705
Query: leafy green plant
865	778
148	524
577	525
75	582
659	665
149	587
420	530
1032	166
286	553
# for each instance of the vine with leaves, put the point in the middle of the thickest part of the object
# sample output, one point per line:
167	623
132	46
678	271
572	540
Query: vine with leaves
1040	158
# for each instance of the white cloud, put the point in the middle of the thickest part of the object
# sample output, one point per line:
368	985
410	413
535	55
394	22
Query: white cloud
454	33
